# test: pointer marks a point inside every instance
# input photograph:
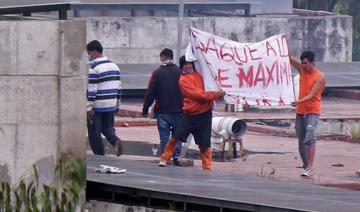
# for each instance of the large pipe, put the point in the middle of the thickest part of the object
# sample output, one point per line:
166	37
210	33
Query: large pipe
228	127
221	128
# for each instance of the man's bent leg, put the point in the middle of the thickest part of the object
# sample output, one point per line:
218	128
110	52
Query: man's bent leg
177	150
206	158
169	149
311	154
108	128
109	132
311	121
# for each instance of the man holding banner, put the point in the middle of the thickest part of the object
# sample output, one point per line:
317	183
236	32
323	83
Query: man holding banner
197	114
260	74
308	107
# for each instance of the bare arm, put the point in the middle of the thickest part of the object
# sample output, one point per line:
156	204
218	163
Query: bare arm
294	63
292	59
319	84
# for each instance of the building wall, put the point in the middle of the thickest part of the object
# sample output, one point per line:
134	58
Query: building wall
42	95
270	6
140	39
256	7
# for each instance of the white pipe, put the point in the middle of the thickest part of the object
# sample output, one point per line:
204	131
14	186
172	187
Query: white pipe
221	128
228	127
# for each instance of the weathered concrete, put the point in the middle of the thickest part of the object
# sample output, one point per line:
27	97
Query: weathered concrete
272	6
42	90
140	39
257	7
349	94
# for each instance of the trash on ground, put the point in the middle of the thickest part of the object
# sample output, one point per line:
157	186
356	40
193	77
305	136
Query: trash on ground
338	165
109	170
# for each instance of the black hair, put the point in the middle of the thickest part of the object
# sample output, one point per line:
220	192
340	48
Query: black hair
94	45
182	62
309	55
167	53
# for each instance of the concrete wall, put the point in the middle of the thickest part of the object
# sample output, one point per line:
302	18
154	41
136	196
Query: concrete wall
270	6
42	95
140	39
257	7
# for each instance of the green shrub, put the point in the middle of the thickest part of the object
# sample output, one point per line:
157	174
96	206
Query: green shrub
354	133
65	193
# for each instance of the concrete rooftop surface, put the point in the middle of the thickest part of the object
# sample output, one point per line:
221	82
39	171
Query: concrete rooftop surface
267	155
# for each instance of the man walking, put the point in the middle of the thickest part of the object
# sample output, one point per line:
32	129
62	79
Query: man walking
103	94
308	107
164	89
197	114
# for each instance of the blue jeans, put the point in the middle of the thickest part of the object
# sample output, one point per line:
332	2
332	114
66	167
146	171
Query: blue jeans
305	126
166	124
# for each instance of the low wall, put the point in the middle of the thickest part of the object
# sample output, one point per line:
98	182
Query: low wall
140	39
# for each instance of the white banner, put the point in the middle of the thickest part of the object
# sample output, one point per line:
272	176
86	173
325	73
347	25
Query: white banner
249	73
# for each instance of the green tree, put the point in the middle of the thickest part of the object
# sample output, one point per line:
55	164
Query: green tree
326	5
351	7
65	193
345	7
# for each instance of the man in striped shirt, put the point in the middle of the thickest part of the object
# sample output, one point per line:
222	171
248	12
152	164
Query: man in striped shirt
104	95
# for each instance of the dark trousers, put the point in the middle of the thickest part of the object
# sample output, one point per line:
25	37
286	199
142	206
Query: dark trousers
199	125
101	122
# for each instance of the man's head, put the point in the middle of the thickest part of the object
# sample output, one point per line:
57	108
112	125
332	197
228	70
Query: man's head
186	66
307	61
94	49
166	54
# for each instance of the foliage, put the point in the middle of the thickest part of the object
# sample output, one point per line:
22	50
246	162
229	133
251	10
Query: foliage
351	7
354	133
326	5
345	7
65	193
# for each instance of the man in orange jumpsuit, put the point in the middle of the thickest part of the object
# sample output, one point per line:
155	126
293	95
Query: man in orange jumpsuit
197	114
308	107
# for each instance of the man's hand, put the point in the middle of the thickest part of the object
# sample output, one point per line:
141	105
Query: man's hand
90	114
117	111
294	103
221	94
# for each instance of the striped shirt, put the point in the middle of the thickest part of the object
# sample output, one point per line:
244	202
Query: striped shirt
104	86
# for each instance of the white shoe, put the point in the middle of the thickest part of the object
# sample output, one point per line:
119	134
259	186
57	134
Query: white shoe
307	173
162	163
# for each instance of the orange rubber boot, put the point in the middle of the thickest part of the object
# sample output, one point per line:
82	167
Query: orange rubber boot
169	149
206	157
